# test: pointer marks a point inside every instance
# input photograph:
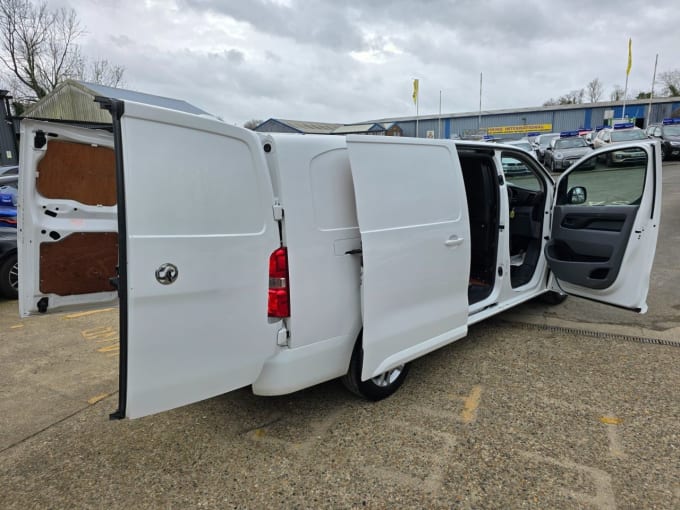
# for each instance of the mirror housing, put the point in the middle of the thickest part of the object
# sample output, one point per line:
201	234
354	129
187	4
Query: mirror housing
577	195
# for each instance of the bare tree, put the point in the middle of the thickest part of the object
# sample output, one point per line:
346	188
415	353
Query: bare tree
102	72
671	82
252	124
616	93
594	90
38	46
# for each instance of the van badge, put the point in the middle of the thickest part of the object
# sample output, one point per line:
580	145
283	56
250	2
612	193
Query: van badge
167	273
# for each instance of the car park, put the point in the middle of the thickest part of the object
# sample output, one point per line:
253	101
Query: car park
542	142
620	134
565	151
668	133
297	265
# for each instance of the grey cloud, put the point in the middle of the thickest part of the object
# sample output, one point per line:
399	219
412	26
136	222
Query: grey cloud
323	23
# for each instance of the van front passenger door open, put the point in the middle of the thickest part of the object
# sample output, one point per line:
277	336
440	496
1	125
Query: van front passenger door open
605	225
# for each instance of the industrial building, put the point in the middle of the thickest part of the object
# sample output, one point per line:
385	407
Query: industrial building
508	123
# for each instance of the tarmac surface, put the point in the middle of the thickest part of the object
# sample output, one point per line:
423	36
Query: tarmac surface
573	406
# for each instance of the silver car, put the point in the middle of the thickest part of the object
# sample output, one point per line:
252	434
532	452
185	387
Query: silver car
542	142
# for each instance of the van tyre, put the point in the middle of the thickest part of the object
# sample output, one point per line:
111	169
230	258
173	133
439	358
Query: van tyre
552	298
374	389
9	277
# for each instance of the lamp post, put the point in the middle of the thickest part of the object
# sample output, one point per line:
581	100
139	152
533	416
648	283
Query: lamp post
439	118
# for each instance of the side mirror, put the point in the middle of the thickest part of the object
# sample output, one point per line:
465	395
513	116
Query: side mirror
577	195
548	148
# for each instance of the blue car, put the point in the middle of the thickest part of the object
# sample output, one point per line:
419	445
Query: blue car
9	267
8	204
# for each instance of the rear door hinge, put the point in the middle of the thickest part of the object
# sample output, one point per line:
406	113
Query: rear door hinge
278	212
282	337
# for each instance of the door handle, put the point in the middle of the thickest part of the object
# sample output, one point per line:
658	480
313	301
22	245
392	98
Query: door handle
454	241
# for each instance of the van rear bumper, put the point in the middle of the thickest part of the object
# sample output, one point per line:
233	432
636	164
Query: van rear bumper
294	369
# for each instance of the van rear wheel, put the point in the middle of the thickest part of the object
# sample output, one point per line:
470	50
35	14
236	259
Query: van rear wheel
377	388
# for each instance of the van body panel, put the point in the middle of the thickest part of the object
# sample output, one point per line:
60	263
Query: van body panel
319	222
295	369
415	234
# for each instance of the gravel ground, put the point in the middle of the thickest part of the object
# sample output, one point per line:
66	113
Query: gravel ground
508	417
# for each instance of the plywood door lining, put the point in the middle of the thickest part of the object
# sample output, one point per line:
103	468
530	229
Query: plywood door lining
81	263
79	172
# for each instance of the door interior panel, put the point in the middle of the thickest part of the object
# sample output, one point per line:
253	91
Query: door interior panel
588	243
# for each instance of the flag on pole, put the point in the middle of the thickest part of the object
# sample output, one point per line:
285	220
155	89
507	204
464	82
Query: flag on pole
630	56
415	90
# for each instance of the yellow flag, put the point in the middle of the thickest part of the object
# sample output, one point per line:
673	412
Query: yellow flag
630	56
415	90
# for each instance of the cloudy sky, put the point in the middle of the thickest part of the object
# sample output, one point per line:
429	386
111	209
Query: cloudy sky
352	60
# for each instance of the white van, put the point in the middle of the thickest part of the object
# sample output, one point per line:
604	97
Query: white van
282	261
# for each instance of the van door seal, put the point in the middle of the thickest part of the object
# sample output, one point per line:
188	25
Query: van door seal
117	109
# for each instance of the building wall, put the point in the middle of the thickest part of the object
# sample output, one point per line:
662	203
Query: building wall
587	117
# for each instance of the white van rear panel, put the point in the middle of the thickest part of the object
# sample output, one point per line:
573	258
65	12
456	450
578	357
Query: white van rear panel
313	183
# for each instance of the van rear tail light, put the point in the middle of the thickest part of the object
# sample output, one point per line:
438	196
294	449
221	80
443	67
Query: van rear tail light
278	304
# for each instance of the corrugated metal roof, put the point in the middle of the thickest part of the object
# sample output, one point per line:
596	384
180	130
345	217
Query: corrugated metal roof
321	128
74	100
357	128
603	104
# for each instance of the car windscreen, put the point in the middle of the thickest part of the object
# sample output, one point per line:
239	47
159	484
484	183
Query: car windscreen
523	145
545	140
672	130
626	136
570	143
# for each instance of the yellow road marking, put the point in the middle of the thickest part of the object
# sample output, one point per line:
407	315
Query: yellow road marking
16	326
611	420
109	348
84	314
97	398
110	338
470	404
100	332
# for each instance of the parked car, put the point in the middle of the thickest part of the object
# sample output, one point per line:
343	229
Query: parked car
668	132
9	266
565	151
620	133
9	170
523	144
8	202
542	142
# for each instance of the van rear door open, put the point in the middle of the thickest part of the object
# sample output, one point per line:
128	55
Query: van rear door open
196	230
415	236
